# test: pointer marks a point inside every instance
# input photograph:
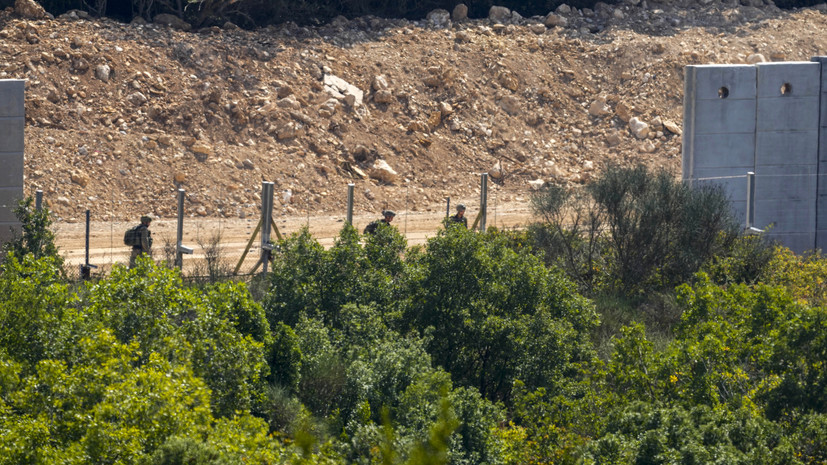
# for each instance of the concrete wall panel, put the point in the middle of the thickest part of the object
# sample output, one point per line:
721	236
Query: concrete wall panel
785	148
797	216
11	169
9	196
725	150
11	134
797	242
11	97
724	116
788	113
790	182
739	80
803	78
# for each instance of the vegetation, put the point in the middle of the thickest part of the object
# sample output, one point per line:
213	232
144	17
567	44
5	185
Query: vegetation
476	348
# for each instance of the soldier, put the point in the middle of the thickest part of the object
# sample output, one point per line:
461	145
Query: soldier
388	217
143	240
459	218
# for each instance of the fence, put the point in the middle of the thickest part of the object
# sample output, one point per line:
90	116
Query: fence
232	239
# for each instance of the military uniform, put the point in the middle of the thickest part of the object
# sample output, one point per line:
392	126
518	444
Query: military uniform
371	228
456	219
145	246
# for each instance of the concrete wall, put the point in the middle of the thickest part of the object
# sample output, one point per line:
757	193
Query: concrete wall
12	122
771	119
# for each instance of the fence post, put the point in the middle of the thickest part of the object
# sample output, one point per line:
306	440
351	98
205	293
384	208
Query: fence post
86	268
447	206
750	198
483	200
350	204
38	200
266	218
180	250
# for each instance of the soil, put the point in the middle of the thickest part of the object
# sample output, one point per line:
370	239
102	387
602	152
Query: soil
121	116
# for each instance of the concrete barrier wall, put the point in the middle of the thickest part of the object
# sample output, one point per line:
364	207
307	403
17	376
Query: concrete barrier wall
12	123
771	119
719	128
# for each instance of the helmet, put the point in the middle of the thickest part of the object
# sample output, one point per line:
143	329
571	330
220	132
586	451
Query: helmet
388	213
146	218
460	206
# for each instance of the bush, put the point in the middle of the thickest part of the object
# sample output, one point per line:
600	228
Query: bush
36	238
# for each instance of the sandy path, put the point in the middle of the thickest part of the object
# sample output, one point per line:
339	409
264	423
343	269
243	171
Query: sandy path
107	249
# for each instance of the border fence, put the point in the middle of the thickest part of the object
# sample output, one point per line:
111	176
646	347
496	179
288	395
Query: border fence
222	243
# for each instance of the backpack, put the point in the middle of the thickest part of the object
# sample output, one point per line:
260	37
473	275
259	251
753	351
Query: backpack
371	228
132	236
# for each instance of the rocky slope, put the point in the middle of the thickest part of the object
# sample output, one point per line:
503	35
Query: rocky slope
121	115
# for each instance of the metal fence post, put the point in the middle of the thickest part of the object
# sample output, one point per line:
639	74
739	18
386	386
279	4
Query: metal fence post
750	199
38	200
447	206
350	204
180	250
483	200
86	268
266	218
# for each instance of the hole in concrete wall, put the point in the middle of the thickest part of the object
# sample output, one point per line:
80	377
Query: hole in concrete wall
786	89
723	92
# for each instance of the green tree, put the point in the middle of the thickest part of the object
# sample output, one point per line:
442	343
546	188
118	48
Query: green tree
36	238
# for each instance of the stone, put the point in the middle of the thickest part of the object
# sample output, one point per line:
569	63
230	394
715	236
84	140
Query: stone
613	138
563	9
536	184
599	108
648	147
179	177
382	171
102	72
438	19
554	20
201	210
756	58
383	96
445	109
172	21
29	9
460	12
496	171
672	127
537	28
639	128
499	14
337	86
248	164
380	82
284	90
623	112
137	99
201	148
289	102
588	165
64	201
511	105
165	140
79	178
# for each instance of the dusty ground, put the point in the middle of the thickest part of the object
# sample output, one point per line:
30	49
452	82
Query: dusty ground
119	116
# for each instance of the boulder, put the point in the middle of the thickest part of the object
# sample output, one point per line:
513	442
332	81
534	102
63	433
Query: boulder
460	12
499	14
382	171
172	21
639	128
29	9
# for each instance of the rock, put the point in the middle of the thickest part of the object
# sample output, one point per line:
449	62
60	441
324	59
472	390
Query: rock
588	165
337	86
536	184
380	82
29	9
284	90
563	9
511	105
383	172
438	19
648	147
248	164
79	178
618	13
383	96
778	56
672	127
613	138
64	201
537	28
496	171
599	107
179	177
656	124
639	128
172	21
288	131
460	12
102	72
201	148
756	58
289	102
137	99
462	36
165	140
201	210
553	20
499	14
445	109
623	112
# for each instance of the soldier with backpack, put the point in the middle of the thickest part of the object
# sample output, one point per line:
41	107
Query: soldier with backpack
140	239
388	217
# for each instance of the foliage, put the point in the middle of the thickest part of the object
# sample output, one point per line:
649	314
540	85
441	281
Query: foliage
35	238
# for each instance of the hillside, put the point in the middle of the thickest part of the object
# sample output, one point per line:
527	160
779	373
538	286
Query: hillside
120	115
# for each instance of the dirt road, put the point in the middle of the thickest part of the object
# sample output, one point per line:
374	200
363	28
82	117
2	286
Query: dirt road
106	238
